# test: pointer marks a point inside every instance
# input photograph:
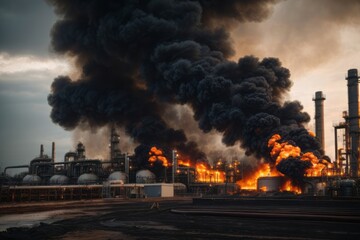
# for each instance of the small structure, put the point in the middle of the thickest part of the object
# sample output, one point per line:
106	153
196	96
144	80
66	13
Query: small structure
159	190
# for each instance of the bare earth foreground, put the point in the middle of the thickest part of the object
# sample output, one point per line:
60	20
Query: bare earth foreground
182	218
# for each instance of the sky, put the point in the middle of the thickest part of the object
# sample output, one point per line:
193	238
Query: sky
318	41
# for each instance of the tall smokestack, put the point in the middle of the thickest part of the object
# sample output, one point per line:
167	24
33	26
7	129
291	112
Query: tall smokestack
114	144
319	117
353	98
41	151
53	152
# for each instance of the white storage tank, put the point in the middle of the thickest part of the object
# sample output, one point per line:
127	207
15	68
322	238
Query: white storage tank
117	177
31	179
269	184
59	180
88	178
145	176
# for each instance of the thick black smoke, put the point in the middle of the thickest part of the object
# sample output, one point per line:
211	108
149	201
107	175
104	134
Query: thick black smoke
137	55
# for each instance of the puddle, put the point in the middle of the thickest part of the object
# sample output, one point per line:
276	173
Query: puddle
34	219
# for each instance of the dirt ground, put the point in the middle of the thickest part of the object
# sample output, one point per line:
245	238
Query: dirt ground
180	218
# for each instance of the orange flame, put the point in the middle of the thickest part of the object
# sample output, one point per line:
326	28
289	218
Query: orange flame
157	155
205	174
263	170
185	163
284	150
287	186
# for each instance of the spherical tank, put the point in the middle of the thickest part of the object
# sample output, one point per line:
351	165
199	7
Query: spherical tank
145	176
117	177
88	178
31	179
59	180
268	184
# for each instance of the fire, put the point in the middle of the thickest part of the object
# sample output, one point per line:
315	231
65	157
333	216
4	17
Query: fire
205	174
157	155
311	133
287	186
185	163
281	151
263	170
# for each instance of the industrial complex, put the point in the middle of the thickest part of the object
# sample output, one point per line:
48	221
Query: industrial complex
167	175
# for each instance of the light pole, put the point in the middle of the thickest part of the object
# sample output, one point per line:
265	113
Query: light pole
174	164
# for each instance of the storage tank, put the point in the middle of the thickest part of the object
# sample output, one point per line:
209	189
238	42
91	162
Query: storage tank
347	188
269	184
59	180
31	179
88	178
320	188
145	176
117	177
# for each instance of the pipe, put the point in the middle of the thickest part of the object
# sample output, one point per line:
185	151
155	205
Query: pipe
20	166
127	167
53	152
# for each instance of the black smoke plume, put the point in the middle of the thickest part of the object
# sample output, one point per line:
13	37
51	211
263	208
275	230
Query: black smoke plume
137	55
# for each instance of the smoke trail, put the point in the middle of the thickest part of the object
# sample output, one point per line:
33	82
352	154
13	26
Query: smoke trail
138	55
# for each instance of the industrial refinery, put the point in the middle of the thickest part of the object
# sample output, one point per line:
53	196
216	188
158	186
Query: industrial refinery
77	177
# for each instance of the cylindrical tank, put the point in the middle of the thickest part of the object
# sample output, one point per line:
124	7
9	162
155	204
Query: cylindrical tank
320	188
269	184
31	179
347	187
145	176
88	178
117	177
59	180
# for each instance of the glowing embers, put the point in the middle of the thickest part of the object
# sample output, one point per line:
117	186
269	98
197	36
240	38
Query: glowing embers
156	154
283	150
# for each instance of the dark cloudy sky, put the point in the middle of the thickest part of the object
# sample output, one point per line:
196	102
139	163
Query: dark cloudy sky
317	40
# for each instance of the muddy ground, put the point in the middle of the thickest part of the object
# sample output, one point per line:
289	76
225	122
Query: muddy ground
180	218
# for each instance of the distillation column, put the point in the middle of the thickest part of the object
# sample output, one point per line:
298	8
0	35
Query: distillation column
353	119
319	117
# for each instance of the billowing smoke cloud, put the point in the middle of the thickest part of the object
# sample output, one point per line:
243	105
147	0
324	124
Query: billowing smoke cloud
140	57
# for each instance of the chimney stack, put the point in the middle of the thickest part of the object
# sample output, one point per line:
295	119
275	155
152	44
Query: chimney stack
319	117
353	120
41	151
